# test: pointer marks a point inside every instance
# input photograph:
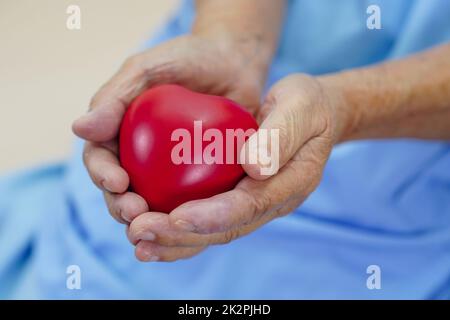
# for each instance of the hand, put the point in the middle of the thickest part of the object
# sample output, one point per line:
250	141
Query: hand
311	118
232	69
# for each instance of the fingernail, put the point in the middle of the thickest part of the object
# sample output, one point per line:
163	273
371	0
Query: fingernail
148	236
127	219
184	225
153	258
104	185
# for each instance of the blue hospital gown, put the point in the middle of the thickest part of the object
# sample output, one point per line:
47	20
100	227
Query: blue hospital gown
383	203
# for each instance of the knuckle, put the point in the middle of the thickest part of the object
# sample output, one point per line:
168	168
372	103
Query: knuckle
97	97
86	153
285	210
133	62
114	208
117	213
258	204
162	72
136	234
170	240
229	236
136	227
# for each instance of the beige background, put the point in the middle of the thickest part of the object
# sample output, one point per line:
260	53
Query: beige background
49	73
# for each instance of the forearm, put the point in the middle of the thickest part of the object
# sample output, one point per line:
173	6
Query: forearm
404	98
251	25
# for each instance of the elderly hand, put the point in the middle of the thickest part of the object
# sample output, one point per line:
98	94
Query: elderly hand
311	118
232	69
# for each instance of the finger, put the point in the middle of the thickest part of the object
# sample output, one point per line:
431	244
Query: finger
232	234
286	126
155	227
126	206
248	201
104	168
108	105
113	210
251	199
148	251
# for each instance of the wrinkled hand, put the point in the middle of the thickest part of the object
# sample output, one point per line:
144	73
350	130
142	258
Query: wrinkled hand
222	68
310	119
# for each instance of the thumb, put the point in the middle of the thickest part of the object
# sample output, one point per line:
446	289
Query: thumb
286	127
108	105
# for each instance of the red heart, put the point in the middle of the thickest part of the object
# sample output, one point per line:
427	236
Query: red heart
150	149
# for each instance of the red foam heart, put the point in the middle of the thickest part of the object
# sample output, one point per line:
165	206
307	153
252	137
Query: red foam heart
148	145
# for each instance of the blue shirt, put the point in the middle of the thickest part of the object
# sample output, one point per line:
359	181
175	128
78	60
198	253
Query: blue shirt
384	203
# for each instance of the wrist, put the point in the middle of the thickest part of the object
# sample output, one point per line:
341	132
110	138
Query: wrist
347	117
225	20
249	49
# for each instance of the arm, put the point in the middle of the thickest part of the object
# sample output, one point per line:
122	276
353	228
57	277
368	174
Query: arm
217	58
253	22
403	98
252	27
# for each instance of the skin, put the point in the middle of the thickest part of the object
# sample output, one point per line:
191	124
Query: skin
404	98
